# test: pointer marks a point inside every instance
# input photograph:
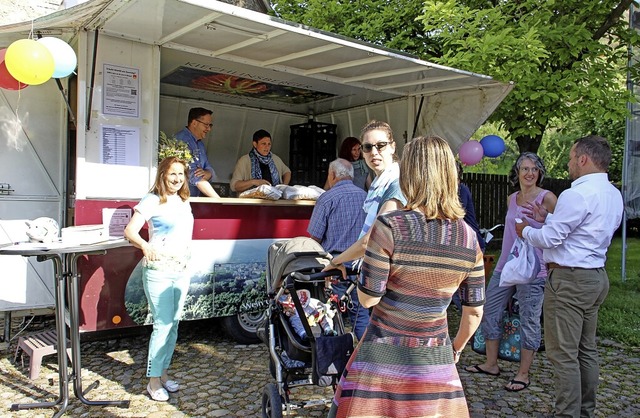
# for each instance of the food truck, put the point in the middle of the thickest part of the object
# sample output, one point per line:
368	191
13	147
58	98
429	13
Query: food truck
83	149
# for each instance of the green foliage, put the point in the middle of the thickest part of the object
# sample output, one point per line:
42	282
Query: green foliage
549	49
170	147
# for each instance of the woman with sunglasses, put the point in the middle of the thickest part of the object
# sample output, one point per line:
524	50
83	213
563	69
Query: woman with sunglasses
260	166
384	194
526	176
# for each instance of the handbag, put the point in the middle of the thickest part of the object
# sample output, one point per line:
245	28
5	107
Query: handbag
522	265
509	347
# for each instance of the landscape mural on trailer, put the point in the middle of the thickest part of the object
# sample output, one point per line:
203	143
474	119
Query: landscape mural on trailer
227	276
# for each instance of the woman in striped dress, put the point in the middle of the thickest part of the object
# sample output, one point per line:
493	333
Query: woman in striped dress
416	258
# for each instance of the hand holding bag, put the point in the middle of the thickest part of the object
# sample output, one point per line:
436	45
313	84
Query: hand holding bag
522	266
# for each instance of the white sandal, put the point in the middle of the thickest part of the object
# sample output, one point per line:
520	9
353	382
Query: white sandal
159	395
170	385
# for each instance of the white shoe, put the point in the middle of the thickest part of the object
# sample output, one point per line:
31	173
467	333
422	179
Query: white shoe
171	386
160	395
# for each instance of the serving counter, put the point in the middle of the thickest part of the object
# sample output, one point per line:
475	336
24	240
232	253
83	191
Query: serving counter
228	265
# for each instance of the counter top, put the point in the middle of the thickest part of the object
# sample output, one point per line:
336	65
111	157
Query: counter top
247	201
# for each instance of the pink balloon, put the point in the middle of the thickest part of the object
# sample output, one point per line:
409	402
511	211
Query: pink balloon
471	153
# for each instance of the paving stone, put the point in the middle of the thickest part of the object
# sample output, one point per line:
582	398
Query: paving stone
220	378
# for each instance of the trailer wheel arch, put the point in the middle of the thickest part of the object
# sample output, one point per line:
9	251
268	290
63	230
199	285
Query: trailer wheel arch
242	327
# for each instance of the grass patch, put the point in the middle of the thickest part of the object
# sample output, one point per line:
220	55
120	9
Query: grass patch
619	317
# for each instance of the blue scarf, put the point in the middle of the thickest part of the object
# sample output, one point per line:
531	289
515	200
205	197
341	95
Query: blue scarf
256	172
374	196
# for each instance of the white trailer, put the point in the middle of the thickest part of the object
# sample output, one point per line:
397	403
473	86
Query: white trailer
253	70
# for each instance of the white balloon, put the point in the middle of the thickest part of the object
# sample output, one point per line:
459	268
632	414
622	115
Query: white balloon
64	56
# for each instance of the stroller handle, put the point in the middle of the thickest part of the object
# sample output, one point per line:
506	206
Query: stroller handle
315	276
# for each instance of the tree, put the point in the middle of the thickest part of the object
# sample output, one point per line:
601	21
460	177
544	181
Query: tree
567	58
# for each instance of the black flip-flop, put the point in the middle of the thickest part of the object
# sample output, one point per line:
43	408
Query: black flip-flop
517	382
478	369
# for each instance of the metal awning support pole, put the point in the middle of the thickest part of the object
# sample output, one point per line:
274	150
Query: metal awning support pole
93	77
415	123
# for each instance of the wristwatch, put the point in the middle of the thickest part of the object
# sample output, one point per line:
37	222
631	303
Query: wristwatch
455	352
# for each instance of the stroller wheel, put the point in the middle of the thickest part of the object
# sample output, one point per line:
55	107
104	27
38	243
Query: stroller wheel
271	402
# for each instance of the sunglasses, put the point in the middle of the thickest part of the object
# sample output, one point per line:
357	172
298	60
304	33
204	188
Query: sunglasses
380	146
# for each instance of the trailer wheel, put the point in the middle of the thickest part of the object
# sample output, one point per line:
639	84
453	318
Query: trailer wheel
271	402
242	327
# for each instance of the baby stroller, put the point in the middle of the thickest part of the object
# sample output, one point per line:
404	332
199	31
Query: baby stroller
302	353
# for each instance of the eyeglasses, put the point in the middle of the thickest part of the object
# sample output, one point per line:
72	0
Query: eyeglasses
210	125
529	169
380	146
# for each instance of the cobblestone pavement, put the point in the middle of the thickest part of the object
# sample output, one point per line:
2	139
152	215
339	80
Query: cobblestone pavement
222	379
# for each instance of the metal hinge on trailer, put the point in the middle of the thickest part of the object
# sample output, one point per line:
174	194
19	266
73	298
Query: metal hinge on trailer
5	189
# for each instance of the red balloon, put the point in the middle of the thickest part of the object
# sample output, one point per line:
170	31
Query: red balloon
6	79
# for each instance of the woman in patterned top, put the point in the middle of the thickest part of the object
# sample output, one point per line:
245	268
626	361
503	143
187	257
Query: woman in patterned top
167	212
416	258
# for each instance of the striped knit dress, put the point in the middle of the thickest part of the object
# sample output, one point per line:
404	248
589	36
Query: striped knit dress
403	366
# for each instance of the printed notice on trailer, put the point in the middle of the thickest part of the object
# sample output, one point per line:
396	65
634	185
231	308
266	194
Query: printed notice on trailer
120	145
117	219
120	92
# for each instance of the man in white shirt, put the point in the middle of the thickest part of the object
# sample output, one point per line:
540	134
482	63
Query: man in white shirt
575	239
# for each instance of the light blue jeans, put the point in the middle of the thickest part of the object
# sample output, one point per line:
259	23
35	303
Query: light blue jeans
166	293
530	297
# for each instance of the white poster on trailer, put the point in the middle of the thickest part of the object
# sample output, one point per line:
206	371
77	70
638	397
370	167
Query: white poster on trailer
120	145
121	88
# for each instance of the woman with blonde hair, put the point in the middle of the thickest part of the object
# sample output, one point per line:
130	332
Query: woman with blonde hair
167	212
416	258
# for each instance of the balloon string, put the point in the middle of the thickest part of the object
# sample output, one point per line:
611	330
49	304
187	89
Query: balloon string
17	124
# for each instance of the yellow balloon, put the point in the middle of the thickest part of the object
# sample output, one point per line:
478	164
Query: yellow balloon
29	62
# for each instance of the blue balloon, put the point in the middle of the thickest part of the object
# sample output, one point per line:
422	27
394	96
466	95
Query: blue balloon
492	145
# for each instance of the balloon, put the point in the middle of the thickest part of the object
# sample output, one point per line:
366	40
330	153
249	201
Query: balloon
29	62
6	80
492	145
64	57
470	153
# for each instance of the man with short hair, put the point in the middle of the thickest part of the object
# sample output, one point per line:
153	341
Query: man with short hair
199	124
336	222
575	239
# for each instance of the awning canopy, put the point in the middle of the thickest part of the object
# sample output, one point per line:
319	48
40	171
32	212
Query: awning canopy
215	51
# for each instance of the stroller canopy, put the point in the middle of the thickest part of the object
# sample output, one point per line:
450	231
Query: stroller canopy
296	254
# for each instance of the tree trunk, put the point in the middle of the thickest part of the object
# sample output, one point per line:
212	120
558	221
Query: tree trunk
529	143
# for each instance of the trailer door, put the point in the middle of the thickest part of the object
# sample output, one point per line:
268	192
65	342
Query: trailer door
33	144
